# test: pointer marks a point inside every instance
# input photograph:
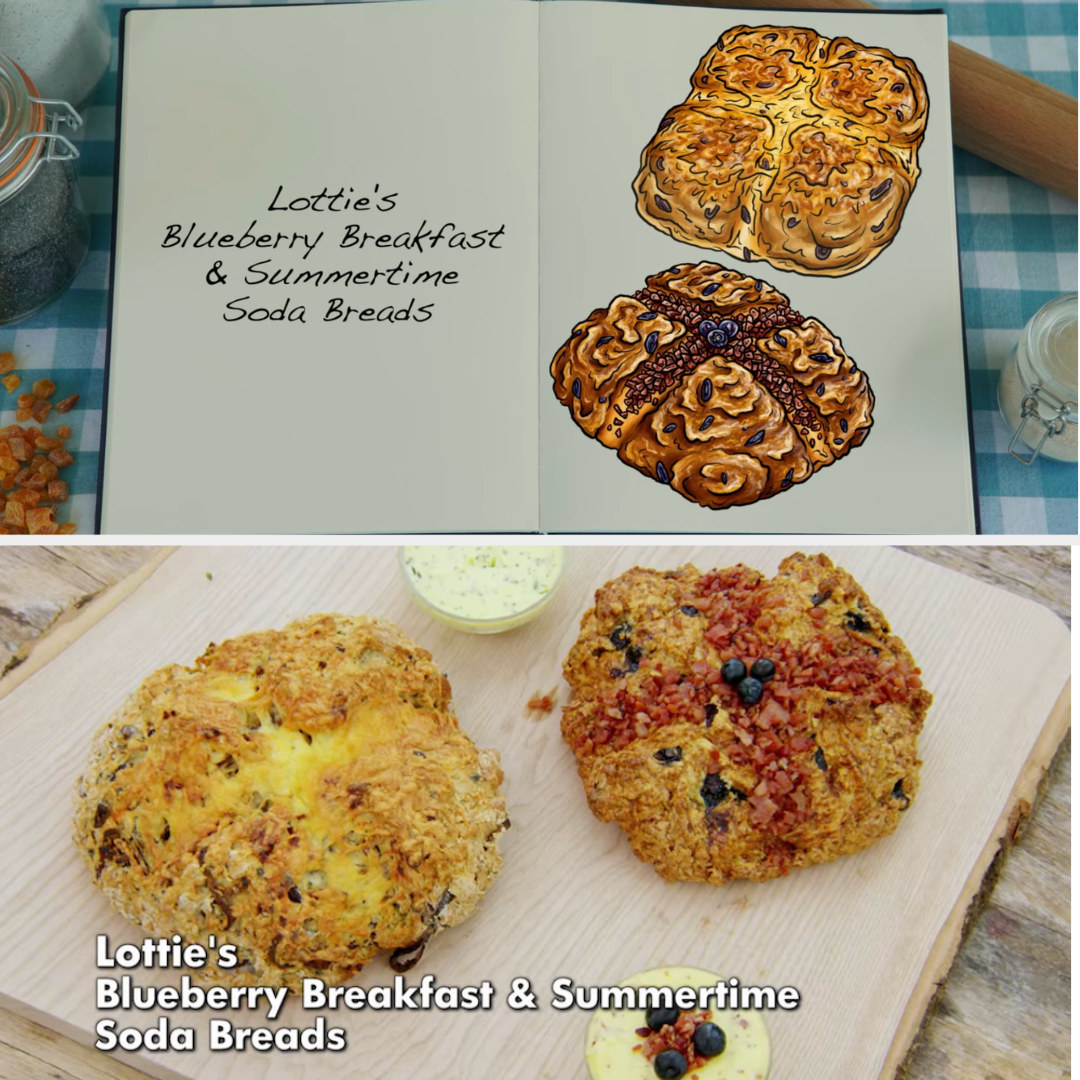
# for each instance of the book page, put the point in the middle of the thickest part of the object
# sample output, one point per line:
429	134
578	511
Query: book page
831	395
324	306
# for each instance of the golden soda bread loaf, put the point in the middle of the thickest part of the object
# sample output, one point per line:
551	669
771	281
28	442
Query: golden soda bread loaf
794	148
738	726
305	794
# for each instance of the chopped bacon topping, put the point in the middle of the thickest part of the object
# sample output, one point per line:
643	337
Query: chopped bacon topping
541	702
768	737
678	1036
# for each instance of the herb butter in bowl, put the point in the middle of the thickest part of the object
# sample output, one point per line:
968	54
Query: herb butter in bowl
482	590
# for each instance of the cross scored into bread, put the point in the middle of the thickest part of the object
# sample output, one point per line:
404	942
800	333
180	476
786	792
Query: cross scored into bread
791	147
711	784
708	381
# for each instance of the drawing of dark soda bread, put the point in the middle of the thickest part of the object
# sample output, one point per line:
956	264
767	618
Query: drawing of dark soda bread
708	381
793	148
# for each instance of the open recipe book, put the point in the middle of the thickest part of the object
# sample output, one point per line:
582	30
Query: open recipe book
499	265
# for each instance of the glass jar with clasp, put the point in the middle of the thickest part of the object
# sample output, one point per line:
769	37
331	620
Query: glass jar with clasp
44	234
1037	387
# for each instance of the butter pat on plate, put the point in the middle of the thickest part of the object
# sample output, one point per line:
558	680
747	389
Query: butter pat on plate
617	1049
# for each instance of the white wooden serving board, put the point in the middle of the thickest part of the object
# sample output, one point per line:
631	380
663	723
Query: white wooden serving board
863	939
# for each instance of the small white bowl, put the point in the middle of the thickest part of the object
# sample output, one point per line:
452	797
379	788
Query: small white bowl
466	587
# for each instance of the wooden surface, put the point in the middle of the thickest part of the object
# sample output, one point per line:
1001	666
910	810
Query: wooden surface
1015	121
40	585
1004	1007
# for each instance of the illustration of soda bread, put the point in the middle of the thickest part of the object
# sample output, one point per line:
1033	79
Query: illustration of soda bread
739	726
792	147
708	381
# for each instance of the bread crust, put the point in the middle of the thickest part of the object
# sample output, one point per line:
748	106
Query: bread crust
791	147
303	793
722	425
708	788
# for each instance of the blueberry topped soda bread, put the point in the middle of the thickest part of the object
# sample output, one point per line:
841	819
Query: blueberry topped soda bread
738	726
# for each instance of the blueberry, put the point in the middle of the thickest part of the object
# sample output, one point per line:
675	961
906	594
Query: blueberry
657	1018
669	1065
717	339
730	327
733	671
706	327
763	670
620	636
709	1040
750	690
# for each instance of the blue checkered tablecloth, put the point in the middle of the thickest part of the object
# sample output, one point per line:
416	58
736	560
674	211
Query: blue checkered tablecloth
1018	250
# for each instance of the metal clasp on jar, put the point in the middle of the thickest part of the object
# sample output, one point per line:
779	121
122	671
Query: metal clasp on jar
1053	425
59	148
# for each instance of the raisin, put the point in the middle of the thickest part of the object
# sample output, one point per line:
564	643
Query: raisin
620	636
714	791
668	755
854	621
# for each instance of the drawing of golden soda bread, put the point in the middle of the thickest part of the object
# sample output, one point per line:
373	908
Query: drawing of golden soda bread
707	380
792	147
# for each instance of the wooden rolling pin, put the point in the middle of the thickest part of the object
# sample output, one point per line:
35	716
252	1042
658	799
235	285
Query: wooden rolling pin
997	113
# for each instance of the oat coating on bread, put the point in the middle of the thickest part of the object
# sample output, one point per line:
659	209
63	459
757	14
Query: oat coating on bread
304	793
708	786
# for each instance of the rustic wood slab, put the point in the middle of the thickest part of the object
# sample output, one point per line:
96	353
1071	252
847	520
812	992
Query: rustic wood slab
1042	574
142	634
40	585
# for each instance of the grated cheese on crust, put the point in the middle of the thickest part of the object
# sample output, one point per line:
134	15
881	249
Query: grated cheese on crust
305	793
